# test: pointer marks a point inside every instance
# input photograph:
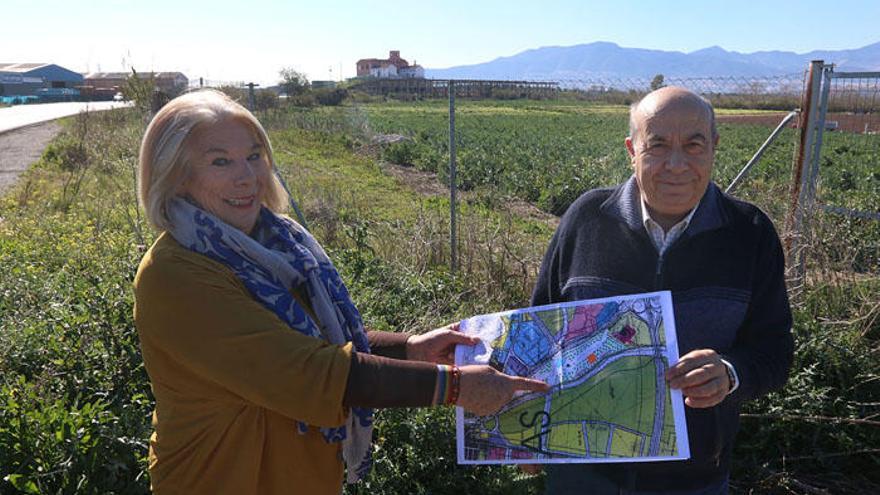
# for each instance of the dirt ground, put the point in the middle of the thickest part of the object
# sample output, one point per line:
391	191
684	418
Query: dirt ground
22	147
428	184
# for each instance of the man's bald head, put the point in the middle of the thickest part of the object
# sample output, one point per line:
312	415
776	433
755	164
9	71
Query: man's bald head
672	149
656	102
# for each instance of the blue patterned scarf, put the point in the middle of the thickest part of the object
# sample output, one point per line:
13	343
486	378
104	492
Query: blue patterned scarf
279	256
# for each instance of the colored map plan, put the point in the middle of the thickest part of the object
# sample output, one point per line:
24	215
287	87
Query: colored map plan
605	360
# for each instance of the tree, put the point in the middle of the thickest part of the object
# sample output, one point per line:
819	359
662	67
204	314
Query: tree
293	82
141	89
657	82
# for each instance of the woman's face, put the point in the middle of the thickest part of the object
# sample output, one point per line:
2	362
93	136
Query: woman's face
229	173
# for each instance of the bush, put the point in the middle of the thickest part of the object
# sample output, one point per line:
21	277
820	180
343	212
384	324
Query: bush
330	96
66	153
415	453
401	153
304	100
264	99
811	430
74	400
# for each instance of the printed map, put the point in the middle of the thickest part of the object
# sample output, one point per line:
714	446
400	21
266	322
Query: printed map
609	401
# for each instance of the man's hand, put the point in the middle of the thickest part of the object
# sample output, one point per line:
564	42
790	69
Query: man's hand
702	378
437	346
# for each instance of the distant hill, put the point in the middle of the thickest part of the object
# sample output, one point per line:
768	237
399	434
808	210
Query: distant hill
609	60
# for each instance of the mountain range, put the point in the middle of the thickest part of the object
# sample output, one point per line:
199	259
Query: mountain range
602	60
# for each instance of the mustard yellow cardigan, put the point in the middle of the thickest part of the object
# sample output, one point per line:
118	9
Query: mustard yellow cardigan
229	379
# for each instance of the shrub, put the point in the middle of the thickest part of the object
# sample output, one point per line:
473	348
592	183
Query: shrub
330	96
305	100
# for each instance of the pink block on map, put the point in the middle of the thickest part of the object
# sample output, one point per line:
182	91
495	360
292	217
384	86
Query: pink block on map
521	454
584	321
497	453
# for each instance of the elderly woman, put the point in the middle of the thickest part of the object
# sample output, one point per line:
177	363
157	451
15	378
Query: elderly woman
263	374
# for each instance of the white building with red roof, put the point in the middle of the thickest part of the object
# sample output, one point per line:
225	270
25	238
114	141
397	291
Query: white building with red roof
392	67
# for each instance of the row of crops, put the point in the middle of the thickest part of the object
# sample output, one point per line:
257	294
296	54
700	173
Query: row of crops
550	152
544	152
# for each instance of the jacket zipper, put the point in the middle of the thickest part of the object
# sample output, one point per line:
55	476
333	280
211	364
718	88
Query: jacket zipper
658	275
719	438
658	285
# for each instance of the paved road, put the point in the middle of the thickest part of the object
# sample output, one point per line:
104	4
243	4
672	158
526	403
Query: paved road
22	147
25	130
25	115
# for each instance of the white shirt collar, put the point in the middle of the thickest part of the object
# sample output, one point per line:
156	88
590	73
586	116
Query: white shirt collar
663	239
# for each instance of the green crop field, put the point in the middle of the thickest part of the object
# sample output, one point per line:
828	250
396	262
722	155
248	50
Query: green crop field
549	152
75	401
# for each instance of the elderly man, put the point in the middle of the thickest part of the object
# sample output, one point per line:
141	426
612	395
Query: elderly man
670	228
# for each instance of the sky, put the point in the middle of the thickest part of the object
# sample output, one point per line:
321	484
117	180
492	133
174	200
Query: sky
252	40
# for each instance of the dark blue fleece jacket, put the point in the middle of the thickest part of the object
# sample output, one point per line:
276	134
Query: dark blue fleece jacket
728	291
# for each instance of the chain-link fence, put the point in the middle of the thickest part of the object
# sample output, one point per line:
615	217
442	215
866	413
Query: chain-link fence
850	151
202	82
520	142
547	142
766	93
835	204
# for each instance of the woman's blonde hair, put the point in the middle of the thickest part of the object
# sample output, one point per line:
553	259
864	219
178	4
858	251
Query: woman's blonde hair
164	158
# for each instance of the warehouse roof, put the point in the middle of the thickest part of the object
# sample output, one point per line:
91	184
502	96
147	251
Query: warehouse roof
125	75
21	67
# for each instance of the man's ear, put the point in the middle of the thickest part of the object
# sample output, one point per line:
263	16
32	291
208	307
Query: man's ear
715	141
629	147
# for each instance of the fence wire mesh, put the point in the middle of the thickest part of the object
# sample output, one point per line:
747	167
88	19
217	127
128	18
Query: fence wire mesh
546	149
769	92
544	142
845	236
850	157
528	149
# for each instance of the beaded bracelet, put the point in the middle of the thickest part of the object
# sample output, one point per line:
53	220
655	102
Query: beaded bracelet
448	385
454	385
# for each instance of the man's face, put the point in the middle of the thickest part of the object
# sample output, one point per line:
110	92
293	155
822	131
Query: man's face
672	154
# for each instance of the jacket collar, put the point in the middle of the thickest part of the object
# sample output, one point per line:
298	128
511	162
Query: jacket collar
624	204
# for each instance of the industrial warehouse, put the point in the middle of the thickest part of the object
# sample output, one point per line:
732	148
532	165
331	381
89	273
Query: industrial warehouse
44	83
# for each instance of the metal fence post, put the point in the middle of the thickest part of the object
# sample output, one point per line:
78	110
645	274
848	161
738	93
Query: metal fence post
802	169
810	165
251	98
817	143
757	156
453	259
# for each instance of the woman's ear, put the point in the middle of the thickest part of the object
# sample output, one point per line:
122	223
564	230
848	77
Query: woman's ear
181	189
